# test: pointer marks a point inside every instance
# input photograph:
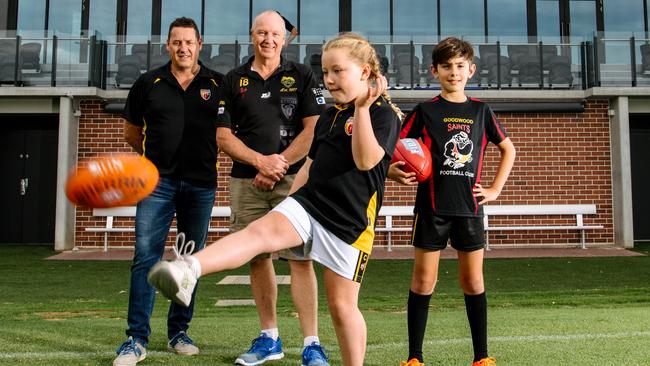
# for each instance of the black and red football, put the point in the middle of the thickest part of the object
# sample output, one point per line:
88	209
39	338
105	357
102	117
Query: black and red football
416	157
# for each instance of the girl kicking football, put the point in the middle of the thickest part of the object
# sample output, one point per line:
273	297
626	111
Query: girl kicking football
332	210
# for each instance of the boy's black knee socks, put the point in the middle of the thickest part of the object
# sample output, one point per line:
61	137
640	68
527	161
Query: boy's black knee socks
417	314
476	306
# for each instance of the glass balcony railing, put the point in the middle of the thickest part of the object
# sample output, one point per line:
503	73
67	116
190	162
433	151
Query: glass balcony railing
611	60
47	61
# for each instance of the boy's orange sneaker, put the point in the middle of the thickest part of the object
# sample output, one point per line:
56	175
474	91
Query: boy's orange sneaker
488	361
411	362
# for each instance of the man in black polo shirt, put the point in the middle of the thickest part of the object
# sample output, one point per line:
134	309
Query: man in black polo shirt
171	117
266	124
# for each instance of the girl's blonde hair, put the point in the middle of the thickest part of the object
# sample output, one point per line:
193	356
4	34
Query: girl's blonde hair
360	50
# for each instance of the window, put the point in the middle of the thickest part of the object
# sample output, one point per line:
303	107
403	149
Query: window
31	18
65	17
172	9
103	18
622	20
423	22
4	9
548	20
226	17
65	21
288	8
507	18
138	24
583	18
624	16
371	17
462	18
319	18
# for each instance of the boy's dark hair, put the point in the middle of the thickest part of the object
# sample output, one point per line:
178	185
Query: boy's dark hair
449	48
184	22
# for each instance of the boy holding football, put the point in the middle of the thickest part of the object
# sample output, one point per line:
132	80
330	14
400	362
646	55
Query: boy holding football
448	205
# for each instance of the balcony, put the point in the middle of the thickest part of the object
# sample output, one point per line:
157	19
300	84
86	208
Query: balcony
601	61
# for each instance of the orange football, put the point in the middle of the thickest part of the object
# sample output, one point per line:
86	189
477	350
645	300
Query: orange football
109	181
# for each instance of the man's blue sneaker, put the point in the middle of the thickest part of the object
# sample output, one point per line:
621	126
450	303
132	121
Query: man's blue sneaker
314	355
130	353
263	348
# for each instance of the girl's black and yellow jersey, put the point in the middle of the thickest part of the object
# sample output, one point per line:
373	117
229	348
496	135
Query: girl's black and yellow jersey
457	135
342	198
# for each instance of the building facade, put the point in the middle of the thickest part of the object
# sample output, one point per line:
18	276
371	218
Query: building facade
569	79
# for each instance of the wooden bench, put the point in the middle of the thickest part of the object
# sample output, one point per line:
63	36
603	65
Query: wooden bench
389	212
129	211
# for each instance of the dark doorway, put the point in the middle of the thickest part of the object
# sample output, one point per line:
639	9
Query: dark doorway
640	156
28	150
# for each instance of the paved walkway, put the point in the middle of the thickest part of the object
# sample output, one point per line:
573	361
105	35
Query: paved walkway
396	253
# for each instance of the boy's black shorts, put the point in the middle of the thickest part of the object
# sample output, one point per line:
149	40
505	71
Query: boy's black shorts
432	232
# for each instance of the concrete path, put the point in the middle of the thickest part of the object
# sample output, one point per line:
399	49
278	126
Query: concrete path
383	253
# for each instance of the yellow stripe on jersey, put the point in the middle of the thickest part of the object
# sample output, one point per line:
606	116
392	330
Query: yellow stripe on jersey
144	138
415	222
214	82
362	263
156	81
364	241
340	109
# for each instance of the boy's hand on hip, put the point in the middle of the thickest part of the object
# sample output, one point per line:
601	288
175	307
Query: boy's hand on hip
488	194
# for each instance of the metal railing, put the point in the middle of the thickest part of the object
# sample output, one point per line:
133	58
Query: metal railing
91	61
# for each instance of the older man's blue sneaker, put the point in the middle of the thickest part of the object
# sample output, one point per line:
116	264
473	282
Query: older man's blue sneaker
263	348
314	355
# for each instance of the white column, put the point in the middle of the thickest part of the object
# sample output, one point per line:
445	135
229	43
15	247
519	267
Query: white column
621	172
64	227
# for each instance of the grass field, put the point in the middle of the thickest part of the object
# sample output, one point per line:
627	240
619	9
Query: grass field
552	311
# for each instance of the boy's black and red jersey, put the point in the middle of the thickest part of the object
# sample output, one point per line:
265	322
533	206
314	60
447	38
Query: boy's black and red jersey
342	198
457	135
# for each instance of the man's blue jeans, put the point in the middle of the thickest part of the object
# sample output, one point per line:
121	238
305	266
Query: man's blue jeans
193	206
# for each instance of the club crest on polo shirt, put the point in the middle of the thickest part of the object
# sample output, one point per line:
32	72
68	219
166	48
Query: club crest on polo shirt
287	81
348	126
289	84
205	94
288	106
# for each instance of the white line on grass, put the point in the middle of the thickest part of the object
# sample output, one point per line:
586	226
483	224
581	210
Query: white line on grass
521	339
296	350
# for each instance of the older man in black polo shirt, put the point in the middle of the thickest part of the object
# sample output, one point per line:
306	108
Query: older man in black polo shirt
266	124
171	117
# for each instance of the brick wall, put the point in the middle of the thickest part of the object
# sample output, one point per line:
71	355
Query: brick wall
562	158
